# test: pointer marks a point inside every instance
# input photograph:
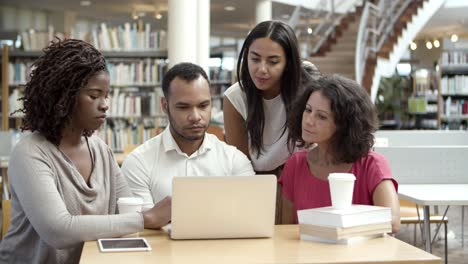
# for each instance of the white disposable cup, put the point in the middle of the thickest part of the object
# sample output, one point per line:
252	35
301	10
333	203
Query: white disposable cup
341	189
129	204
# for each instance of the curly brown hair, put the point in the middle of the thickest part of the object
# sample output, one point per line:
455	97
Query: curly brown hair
355	117
50	96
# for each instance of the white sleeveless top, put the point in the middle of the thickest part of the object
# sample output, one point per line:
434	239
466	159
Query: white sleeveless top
275	151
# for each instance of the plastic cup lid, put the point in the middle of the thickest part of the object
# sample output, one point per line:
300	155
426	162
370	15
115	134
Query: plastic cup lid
130	200
342	176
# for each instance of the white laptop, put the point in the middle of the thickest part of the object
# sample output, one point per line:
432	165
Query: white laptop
207	207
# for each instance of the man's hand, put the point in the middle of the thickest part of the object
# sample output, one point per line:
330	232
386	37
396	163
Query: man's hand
159	215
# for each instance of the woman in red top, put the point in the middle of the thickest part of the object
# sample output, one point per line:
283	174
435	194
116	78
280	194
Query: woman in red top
334	120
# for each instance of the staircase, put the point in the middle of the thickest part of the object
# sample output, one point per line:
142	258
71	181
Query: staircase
376	57
385	64
336	56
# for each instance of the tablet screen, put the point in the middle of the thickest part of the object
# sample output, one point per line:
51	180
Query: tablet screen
123	244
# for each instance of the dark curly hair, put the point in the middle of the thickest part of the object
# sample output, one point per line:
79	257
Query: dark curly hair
56	79
354	113
284	35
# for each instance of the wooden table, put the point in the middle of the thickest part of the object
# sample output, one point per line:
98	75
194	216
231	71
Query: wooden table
433	194
284	247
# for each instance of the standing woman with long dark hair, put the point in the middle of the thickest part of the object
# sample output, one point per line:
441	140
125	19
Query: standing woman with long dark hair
255	108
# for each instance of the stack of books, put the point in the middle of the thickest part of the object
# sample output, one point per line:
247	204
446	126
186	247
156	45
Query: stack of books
345	226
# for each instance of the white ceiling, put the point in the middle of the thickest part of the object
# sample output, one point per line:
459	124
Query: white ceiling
236	23
450	19
232	23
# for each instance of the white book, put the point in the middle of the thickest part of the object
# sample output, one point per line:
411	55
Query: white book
345	241
11	75
147	36
33	40
121	105
115	101
50	36
353	216
128	110
162	40
121	37
134	37
26	40
95	39
141	40
138	106
106	43
115	40
345	232
127	37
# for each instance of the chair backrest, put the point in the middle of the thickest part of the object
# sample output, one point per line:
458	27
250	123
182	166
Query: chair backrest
5	143
217	131
396	138
427	164
6	216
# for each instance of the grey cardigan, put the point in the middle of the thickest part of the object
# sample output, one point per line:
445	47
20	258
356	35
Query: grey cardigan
53	210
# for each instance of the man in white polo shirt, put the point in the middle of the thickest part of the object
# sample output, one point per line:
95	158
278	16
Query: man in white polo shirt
183	148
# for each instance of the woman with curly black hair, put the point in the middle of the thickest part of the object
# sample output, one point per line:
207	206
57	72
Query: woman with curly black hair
334	120
64	181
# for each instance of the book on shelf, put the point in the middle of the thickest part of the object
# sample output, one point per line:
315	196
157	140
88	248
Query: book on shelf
136	72
355	215
454	57
454	85
120	133
129	37
452	107
344	241
19	72
15	103
338	233
37	40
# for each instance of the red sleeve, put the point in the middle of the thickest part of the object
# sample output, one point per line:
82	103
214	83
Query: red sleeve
287	178
378	170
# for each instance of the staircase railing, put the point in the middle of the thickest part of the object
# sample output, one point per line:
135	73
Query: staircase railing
376	25
328	14
330	21
327	27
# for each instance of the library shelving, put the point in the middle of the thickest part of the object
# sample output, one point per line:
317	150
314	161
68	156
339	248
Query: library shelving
134	114
423	103
454	85
134	111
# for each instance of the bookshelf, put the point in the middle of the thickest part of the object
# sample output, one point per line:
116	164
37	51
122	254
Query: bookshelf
453	98
423	104
134	114
134	111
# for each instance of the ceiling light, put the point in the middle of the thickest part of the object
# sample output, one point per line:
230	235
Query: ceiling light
135	17
158	16
85	3
428	45
309	30
436	43
285	16
413	46
229	8
454	38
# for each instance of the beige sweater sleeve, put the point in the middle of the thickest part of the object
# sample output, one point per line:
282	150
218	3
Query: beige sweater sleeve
38	184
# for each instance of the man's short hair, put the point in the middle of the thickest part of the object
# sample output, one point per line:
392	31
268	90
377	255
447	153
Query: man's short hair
186	71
